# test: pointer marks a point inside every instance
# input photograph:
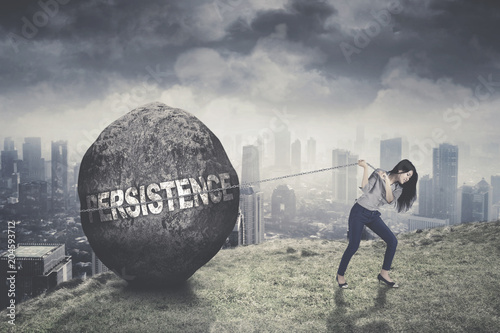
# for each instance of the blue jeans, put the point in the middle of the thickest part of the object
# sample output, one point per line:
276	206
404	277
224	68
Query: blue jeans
358	217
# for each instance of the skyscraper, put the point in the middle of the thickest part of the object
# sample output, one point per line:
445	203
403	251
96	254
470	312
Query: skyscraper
59	175
475	202
296	156
311	153
425	196
344	180
33	163
390	153
283	205
236	236
339	176
97	265
352	179
495	184
250	169
8	158
74	185
251	206
282	148
445	175
8	144
466	204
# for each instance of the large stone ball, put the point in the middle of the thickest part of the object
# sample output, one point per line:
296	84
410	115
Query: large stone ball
139	188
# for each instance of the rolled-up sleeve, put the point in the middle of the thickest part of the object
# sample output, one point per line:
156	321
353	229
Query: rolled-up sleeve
396	194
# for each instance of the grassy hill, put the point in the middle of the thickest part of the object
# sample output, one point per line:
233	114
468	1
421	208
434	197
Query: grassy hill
449	282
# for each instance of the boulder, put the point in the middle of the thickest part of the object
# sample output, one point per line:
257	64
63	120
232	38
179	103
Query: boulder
129	185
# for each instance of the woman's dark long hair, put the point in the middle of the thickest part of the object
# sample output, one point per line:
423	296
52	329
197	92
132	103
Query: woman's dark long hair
409	194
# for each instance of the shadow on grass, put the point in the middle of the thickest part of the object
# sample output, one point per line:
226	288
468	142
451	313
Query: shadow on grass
343	319
169	309
180	294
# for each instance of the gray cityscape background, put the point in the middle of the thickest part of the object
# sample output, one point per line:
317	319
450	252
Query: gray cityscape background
287	86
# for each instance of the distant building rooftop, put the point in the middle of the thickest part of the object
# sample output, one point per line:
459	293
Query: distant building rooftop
32	251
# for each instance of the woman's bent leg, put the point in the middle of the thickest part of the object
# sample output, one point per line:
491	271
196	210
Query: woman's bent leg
382	230
355	229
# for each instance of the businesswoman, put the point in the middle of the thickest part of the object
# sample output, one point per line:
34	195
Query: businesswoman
397	188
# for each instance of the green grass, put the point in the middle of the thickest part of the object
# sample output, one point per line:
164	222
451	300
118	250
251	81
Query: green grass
449	282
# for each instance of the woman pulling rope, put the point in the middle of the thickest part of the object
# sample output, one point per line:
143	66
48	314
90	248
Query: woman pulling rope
397	188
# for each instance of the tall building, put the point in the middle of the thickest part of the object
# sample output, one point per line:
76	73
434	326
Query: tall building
344	180
445	177
495	212
251	206
250	169
352	179
495	184
390	153
475	202
425	196
33	163
97	265
9	144
236	236
74	186
339	178
311	153
282	148
8	158
283	205
296	156
12	183
59	176
39	267
466	203
483	201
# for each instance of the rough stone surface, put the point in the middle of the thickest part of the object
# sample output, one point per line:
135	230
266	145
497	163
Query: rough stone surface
153	144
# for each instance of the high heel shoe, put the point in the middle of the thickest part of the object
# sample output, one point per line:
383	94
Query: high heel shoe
390	284
343	285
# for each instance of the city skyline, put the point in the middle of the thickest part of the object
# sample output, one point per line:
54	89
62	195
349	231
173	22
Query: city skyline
369	148
427	71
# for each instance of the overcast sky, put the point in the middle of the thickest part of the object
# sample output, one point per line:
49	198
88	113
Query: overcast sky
429	70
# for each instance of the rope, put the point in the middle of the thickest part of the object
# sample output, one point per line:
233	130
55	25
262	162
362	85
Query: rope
243	185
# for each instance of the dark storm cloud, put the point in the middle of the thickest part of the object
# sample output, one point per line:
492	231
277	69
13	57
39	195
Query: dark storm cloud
458	39
305	20
85	42
91	39
455	39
